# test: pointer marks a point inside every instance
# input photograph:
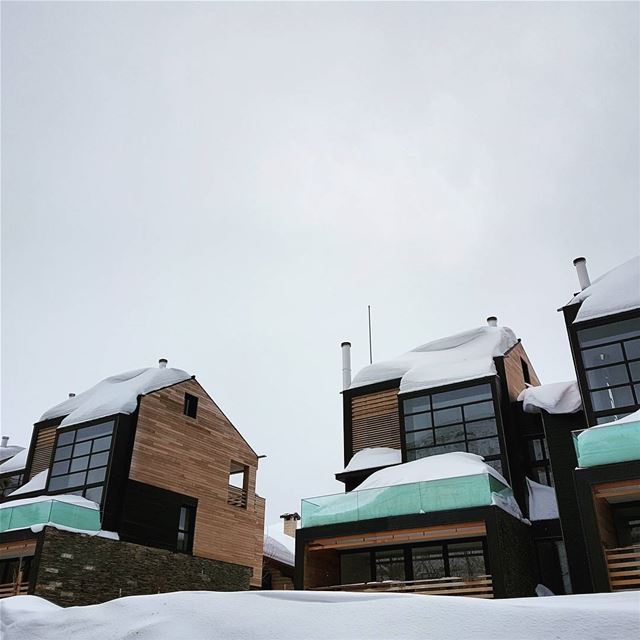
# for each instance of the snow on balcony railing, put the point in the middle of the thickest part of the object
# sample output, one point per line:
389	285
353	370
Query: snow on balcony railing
417	497
617	441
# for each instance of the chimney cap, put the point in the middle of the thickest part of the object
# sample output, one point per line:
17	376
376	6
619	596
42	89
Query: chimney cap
290	516
492	321
71	394
578	260
162	363
5	441
346	343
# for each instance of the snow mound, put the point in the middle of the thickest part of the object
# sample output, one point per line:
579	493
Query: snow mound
15	463
446	465
116	394
291	615
373	457
616	291
543	504
557	397
37	483
278	545
464	356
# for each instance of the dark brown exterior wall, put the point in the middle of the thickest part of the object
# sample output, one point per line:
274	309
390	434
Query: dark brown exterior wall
74	569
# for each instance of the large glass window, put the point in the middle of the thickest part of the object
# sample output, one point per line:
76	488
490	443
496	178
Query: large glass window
80	461
355	567
389	565
8	484
458	420
539	465
186	526
611	359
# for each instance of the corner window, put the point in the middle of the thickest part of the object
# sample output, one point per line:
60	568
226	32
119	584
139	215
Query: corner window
80	461
238	485
186	526
8	484
457	420
610	356
190	405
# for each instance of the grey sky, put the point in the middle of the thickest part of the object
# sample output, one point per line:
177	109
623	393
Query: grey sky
229	185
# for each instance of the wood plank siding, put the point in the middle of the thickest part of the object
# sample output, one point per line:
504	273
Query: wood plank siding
42	450
193	456
375	421
515	373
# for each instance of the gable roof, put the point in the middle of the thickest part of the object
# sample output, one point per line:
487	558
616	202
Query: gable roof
463	356
115	394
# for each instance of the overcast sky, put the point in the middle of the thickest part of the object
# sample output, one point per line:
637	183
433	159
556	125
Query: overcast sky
229	186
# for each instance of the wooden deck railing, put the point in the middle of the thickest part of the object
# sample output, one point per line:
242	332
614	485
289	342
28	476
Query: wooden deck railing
476	587
237	497
13	589
624	567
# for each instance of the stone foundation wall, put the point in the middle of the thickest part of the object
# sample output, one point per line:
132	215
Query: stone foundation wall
74	569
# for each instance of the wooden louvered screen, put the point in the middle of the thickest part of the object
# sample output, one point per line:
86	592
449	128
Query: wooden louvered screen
43	450
375	421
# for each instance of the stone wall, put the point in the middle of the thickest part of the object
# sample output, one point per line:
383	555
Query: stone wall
75	569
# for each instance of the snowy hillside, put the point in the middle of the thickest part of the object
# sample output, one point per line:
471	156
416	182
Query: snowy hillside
327	616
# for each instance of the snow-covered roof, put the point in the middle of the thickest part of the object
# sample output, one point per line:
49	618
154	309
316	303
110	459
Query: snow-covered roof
446	465
373	457
278	545
116	394
543	504
15	463
556	397
37	483
9	452
77	501
616	291
464	356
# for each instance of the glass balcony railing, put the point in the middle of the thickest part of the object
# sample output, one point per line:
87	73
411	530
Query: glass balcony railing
43	512
607	444
398	500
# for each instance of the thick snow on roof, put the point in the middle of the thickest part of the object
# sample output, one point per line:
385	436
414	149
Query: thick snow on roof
374	457
446	465
464	356
116	394
291	615
616	291
557	397
37	483
278	545
9	452
16	463
78	501
543	504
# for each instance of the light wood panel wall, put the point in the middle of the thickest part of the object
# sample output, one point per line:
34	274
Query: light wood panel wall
193	456
375	421
43	450
515	375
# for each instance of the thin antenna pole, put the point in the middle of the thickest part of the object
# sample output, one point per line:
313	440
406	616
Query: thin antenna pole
370	349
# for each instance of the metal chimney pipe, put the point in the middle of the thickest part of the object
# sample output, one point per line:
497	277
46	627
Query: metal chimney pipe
5	441
492	321
162	363
583	275
346	365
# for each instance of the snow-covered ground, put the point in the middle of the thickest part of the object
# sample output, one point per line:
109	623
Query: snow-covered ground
305	615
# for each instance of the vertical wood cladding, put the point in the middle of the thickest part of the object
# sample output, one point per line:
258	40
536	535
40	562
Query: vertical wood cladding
514	372
192	456
375	421
43	449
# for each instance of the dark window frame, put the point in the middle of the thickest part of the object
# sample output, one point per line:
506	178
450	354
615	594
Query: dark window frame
10	488
539	464
593	416
526	373
188	530
492	381
407	550
190	407
82	489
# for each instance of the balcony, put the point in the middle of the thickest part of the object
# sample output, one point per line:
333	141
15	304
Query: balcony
473	587
607	444
11	589
418	497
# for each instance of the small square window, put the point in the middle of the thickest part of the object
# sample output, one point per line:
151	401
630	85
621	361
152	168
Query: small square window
190	405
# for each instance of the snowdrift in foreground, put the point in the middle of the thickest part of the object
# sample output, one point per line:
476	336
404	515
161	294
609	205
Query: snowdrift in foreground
305	615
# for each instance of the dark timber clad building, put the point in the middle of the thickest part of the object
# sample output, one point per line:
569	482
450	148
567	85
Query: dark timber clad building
578	489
